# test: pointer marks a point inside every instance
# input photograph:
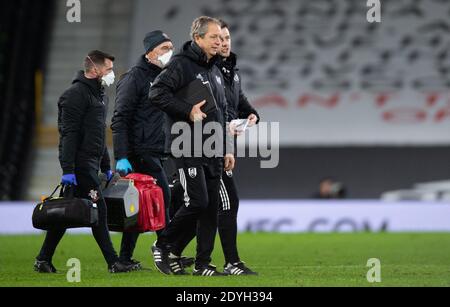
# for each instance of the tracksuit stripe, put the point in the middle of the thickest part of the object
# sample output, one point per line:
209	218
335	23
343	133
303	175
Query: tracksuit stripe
224	204
224	191
184	185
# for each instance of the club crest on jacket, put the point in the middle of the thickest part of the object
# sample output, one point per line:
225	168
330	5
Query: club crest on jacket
192	172
93	194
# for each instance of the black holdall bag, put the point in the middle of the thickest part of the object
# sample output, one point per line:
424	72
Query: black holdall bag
65	211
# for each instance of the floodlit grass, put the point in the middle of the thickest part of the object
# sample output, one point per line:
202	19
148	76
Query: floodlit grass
291	260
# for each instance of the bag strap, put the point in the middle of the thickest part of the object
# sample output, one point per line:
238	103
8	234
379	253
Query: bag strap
67	191
60	186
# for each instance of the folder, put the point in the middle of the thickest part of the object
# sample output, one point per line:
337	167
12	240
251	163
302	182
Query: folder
197	91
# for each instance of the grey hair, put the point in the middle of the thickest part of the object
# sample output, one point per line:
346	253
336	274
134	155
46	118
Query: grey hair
200	26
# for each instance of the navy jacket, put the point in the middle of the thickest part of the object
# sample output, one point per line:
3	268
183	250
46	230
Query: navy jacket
82	111
137	125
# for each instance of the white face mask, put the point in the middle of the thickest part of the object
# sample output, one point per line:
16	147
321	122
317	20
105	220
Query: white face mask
165	58
108	80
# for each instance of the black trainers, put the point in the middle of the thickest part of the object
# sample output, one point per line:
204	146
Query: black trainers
209	270
238	268
160	258
176	266
137	266
120	267
44	267
187	261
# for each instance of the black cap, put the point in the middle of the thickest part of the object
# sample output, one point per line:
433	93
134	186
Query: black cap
154	39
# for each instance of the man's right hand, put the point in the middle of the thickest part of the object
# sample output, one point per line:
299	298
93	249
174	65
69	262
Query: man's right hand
123	167
69	179
229	163
196	114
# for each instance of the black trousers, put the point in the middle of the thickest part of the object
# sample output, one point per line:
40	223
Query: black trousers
228	212
153	166
200	178
87	181
227	220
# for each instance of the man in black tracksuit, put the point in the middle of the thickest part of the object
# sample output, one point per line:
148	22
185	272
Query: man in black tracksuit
200	174
238	108
139	128
82	113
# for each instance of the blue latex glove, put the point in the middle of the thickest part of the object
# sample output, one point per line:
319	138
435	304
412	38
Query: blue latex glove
109	174
123	167
69	179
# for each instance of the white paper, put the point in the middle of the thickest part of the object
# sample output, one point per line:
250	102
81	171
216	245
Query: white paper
239	125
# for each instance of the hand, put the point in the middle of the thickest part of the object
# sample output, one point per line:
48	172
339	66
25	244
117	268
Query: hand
123	167
230	162
252	120
196	114
234	132
109	175
69	179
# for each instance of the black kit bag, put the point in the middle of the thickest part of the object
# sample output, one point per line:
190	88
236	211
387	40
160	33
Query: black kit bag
65	211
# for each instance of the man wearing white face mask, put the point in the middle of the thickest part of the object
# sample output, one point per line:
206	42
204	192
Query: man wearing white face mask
82	111
139	128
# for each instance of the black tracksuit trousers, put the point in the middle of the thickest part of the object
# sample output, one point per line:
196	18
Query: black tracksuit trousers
200	178
227	221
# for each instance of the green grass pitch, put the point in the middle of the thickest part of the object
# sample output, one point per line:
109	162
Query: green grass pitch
291	260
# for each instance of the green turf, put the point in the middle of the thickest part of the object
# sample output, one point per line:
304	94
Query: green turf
281	260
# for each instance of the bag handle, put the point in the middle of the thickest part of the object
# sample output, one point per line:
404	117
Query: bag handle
66	191
60	186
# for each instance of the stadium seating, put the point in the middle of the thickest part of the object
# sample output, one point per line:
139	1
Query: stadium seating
22	38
